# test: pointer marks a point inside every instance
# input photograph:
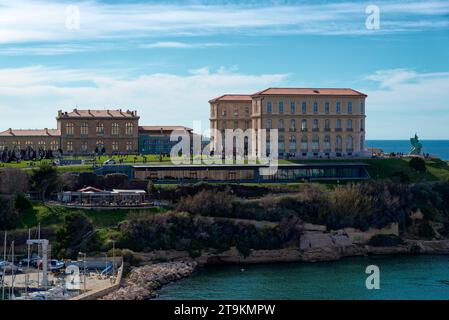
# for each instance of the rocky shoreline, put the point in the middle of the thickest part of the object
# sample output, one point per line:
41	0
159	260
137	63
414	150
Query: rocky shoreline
142	282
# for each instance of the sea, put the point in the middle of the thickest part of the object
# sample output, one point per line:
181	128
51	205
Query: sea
439	148
400	278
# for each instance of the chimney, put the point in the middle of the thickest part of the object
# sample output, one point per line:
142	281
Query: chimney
10	130
59	113
46	131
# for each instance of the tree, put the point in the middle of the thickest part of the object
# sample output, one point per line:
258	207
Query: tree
77	233
67	181
13	181
8	214
151	189
44	180
116	181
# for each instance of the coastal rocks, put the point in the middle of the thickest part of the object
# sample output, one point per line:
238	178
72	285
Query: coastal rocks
142	282
428	247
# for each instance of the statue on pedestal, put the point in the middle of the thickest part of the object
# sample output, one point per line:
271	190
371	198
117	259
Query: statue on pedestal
416	145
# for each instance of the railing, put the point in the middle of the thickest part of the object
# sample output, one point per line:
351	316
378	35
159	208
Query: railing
338	129
316	129
349	129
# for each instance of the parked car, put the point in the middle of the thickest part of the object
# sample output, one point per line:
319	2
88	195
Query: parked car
109	161
8	267
53	265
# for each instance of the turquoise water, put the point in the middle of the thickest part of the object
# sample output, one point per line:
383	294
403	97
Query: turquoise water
438	148
401	277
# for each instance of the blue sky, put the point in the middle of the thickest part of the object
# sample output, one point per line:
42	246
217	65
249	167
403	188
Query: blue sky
166	59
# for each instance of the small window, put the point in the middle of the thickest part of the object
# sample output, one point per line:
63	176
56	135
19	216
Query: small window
281	106
326	108
338	107
315	107
304	107
292	107
349	107
268	106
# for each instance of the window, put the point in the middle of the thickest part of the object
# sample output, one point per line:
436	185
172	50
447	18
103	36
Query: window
100	143
362	124
129	128
362	144
327	144
326	124
326	107
350	124
281	107
281	124
41	144
349	144
362	107
269	124
304	125
114	146
54	145
100	128
338	143
338	107
338	124
236	111
70	129
236	124
29	143
316	143
349	107
292	107
84	146
115	129
129	146
268	106
247	111
246	124
315	107
281	144
315	124
84	129
292	146
293	124
304	107
304	144
69	146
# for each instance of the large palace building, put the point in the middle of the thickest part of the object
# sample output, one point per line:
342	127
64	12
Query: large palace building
82	132
311	122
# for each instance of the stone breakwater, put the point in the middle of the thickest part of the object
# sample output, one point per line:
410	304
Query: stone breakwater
142	282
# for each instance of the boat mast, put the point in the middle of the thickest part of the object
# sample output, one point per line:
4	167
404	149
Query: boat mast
38	255
27	275
12	270
4	268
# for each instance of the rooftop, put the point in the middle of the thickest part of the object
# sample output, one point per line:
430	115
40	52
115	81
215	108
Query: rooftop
91	113
163	128
232	97
311	91
30	133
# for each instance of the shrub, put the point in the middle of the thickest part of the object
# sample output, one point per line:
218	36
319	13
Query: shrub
385	240
425	230
208	203
22	203
418	164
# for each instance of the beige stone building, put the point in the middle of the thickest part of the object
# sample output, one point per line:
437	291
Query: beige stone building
83	131
311	123
47	139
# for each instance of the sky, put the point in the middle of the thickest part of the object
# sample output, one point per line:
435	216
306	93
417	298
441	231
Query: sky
166	59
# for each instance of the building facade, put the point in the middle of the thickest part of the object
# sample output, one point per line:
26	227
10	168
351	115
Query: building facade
311	123
88	132
156	139
46	139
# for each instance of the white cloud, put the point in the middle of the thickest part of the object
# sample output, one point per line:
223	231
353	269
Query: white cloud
38	92
407	101
45	20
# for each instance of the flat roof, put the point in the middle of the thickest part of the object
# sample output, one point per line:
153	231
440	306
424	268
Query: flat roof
249	166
